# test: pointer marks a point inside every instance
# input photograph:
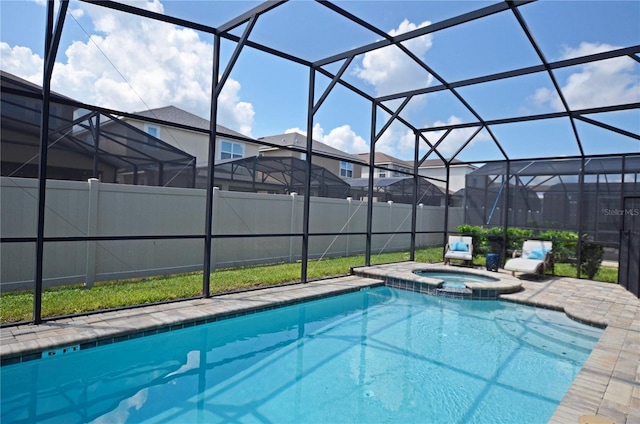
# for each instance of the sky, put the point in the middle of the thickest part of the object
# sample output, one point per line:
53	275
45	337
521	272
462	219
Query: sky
127	63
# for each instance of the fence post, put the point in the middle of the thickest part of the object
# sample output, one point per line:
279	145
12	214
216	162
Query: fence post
293	226
215	193
420	220
92	230
349	199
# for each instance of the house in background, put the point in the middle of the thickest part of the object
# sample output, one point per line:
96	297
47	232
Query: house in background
294	145
382	160
83	142
242	165
169	146
229	144
21	103
434	170
437	172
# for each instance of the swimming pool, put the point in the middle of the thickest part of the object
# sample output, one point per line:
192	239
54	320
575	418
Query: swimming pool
371	356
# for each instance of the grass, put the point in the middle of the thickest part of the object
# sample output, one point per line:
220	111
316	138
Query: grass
66	300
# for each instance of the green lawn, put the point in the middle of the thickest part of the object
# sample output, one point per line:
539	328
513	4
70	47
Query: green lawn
66	300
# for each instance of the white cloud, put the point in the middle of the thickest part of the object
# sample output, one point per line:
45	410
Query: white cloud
397	141
163	65
390	70
342	138
77	13
602	83
345	139
456	138
21	61
318	132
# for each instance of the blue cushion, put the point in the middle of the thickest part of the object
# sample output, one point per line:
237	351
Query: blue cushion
537	254
459	246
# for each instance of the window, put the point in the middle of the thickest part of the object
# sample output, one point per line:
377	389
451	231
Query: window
153	131
346	169
230	150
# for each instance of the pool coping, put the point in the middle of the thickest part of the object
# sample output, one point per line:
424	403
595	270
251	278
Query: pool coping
407	279
607	386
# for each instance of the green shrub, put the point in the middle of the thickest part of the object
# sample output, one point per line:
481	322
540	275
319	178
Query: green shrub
494	240
564	244
517	236
590	259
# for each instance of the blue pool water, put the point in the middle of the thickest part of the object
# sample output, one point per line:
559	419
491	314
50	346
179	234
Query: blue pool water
380	355
456	277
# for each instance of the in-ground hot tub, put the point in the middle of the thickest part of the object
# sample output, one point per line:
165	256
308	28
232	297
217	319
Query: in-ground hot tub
464	284
456	279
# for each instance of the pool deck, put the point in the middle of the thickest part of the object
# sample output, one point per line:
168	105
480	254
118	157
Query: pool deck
608	386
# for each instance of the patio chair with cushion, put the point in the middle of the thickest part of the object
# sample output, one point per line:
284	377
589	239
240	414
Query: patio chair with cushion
459	247
536	256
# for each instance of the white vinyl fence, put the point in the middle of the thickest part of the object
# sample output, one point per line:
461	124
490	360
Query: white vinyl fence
77	209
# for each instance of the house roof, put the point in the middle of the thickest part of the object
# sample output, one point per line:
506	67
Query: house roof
437	163
14	81
383	158
295	139
541	167
286	171
179	116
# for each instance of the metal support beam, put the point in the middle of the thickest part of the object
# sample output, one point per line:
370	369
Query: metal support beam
332	84
372	153
392	118
435	147
95	132
446	209
579	212
52	42
514	8
213	121
234	57
414	203
217	84
307	179
505	227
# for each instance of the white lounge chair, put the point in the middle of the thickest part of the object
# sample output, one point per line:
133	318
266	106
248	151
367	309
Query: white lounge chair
459	247
535	258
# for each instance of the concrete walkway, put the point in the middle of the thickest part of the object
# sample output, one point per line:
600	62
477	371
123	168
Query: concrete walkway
608	386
